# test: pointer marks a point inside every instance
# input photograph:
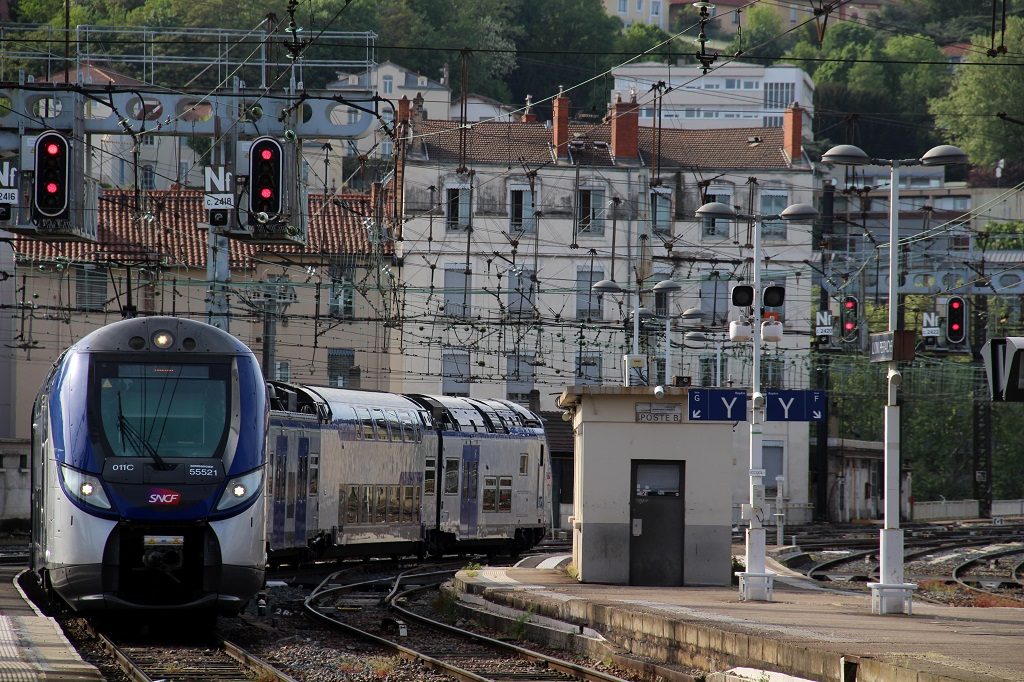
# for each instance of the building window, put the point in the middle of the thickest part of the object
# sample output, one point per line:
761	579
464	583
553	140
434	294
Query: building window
90	287
588	301
388	83
283	370
455	373
521	288
588	368
457	295
342	291
121	171
352	116
622	6
661	211
520	378
522	214
342	371
773	203
183	167
717	227
149	140
707	366
457	207
715	298
655	8
771	372
778	96
590	211
772	122
148	179
771	462
639	5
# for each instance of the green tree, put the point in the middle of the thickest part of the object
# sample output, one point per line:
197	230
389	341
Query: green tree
561	45
982	88
638	39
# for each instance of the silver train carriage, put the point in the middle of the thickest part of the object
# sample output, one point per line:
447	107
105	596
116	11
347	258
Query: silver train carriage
148	454
366	473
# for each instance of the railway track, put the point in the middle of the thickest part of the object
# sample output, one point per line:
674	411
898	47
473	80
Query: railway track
220	661
384	618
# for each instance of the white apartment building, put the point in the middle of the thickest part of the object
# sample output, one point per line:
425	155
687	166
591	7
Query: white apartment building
506	227
733	95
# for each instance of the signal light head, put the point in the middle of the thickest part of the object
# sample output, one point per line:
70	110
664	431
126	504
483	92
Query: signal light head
266	179
50	197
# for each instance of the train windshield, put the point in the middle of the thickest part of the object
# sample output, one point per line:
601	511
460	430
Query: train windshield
162	410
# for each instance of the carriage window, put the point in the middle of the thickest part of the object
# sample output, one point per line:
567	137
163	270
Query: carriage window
366	505
428	475
394	502
451	476
490	502
381	509
382	424
524	464
352	505
505	494
409	428
408	506
366	421
396	425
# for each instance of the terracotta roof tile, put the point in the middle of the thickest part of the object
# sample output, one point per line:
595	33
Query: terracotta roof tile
514	143
168	229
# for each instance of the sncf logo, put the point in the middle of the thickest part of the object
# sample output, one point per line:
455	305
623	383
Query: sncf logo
164	496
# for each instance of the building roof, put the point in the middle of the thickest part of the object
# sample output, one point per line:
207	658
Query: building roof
167	229
95	75
531	143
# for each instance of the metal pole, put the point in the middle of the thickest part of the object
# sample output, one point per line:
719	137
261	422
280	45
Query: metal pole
668	340
756	588
718	364
891	540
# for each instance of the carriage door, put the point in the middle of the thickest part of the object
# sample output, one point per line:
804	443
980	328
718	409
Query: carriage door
280	464
40	466
301	486
656	523
469	503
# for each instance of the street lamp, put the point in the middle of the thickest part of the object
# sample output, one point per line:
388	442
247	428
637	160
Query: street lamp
755	582
889	595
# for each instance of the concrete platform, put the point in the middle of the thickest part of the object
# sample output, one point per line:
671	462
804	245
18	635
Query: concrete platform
807	632
32	646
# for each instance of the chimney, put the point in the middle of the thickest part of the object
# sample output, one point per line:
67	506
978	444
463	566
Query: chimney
560	125
625	129
528	115
418	110
792	132
403	109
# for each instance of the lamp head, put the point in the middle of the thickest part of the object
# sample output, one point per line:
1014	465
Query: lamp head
846	155
716	209
944	155
799	213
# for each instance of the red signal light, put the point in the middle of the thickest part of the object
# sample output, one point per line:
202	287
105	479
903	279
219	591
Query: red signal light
266	154
51	187
849	304
266	193
52	149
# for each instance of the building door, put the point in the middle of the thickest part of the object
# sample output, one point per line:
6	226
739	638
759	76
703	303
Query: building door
656	515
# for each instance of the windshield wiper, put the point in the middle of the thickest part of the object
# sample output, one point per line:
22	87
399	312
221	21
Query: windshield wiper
135	439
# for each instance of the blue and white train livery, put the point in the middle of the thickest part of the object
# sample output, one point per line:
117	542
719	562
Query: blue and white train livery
148	464
369	473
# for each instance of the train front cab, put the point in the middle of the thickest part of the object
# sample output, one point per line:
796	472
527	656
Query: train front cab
118	526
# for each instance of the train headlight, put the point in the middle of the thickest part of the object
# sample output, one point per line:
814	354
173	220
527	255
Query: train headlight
163	339
240	489
84	487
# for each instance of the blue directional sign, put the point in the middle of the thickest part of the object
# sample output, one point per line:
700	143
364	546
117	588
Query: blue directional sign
716	405
795	406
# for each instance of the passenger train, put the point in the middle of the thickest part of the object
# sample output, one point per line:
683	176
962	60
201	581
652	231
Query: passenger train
166	473
366	473
148	457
